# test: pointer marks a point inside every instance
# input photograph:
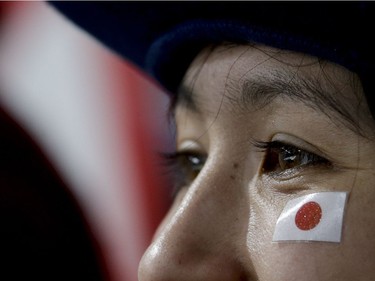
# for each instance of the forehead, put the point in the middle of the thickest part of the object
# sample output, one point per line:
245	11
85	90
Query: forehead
251	76
238	63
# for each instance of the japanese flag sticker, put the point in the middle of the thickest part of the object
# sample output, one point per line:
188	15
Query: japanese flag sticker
313	217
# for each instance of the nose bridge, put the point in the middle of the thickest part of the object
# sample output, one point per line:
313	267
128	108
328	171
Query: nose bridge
205	232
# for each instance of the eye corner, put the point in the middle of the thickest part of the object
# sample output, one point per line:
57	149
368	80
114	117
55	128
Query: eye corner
182	167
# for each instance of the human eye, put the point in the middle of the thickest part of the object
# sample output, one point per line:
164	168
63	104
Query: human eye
283	160
183	167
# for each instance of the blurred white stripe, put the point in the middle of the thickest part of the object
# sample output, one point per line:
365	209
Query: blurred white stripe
51	83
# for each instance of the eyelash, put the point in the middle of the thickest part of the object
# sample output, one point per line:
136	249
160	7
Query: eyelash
282	159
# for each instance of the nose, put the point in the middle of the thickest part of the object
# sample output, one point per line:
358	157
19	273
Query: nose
204	237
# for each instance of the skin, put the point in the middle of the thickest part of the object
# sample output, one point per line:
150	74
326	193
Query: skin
221	224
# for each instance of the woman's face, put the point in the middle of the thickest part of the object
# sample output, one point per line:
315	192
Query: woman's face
256	128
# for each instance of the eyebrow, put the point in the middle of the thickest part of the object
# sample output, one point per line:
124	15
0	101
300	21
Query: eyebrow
259	91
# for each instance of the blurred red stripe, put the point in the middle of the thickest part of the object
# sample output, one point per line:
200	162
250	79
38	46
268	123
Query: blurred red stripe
138	95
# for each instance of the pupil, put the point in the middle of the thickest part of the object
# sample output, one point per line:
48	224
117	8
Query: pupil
289	155
194	160
289	158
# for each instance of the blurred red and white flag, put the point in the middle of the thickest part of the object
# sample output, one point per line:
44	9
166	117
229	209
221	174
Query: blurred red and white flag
313	217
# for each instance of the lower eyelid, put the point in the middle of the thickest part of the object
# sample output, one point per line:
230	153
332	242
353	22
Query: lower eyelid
301	171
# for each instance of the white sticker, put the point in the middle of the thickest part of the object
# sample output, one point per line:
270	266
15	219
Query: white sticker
314	217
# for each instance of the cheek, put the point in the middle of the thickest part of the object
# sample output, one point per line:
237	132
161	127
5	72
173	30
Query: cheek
303	262
265	207
261	224
264	212
313	261
359	229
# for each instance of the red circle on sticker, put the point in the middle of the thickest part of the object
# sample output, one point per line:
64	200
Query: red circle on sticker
308	216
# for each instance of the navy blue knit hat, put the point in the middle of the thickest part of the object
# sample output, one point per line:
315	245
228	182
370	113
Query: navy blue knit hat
162	38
